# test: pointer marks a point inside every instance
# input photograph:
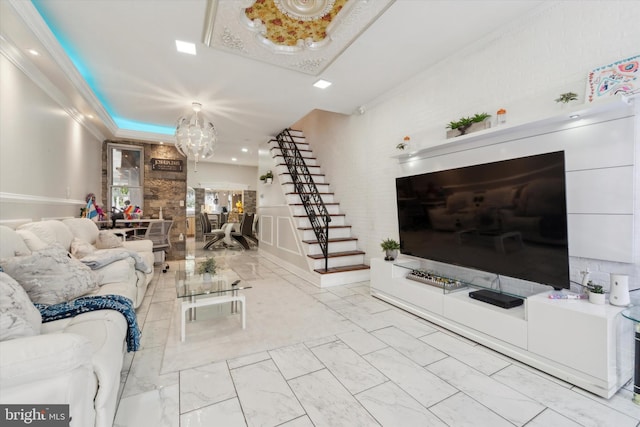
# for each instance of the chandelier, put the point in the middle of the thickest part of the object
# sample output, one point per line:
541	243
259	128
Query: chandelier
195	137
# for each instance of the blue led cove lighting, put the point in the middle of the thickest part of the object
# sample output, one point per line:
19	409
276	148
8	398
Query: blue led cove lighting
67	46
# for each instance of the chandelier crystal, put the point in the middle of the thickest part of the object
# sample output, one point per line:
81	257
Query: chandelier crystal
195	137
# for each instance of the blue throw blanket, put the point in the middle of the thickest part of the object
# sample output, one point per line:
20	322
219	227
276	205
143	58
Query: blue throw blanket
101	302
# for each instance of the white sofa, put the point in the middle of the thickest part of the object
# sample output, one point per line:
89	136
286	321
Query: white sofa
76	360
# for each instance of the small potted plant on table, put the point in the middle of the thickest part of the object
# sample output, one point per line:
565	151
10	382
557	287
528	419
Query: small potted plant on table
596	293
390	247
207	268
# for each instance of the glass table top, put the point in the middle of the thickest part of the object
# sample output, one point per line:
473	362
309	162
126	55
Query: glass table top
632	313
191	284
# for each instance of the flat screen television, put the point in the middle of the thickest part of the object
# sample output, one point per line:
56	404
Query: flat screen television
507	217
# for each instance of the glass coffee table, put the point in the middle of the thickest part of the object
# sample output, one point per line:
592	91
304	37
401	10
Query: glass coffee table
195	290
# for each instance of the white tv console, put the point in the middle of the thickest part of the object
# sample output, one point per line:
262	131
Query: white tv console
584	344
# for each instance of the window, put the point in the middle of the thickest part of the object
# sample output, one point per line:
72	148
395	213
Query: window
125	176
191	201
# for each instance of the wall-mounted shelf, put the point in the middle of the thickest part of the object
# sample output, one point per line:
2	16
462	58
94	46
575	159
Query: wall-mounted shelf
572	116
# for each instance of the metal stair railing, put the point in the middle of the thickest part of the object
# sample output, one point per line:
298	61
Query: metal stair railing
307	190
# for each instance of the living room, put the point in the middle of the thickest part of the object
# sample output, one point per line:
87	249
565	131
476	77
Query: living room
50	158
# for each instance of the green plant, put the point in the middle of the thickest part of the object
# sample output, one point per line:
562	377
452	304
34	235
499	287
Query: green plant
207	266
389	245
567	97
480	117
268	174
463	123
595	289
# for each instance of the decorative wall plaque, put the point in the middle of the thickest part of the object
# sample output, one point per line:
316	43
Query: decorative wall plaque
167	165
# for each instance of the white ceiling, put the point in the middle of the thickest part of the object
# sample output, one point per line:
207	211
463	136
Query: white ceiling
127	50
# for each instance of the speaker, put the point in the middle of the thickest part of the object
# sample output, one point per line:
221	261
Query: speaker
619	290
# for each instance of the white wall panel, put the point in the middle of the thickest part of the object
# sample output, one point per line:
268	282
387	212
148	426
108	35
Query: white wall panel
287	239
604	237
600	191
266	229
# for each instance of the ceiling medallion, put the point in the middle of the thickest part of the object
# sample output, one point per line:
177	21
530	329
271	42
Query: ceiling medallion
304	10
289	26
299	35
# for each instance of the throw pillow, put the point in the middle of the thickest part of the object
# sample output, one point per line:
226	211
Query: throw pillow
33	242
108	240
18	316
80	248
51	275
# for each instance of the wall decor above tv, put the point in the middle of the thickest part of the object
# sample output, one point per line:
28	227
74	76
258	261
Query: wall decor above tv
507	217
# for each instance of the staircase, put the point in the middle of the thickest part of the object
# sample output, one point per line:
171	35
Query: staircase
342	263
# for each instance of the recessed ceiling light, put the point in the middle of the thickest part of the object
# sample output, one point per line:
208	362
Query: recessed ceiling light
233	159
322	84
90	116
186	47
33	52
245	150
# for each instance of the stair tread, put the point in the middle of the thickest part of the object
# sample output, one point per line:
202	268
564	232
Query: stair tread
301	149
310	174
306	192
343	269
305	216
275	156
326	203
308	166
316	183
334	240
337	254
296	142
330	227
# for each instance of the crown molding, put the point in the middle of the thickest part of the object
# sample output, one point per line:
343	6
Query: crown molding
144	136
36	24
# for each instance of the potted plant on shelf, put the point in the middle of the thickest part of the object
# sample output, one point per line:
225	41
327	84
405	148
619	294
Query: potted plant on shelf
390	247
565	98
404	144
596	293
207	268
466	125
267	178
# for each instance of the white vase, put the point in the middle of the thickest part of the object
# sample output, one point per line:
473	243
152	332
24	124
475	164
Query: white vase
391	254
207	277
596	298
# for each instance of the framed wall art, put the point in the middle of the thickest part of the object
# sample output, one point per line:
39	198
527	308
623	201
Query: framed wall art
620	77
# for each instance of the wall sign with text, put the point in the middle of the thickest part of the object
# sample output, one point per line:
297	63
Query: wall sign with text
168	165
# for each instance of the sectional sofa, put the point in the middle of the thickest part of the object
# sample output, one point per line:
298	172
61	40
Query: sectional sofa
63	265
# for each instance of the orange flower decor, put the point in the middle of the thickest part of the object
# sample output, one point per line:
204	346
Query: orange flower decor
286	31
407	138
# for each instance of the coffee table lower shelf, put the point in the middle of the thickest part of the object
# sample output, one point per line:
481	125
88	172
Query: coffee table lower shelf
193	303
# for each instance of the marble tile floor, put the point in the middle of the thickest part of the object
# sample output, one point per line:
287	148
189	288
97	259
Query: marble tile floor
332	357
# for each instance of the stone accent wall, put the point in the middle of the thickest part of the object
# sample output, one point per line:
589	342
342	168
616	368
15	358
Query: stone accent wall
161	189
198	209
249	198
